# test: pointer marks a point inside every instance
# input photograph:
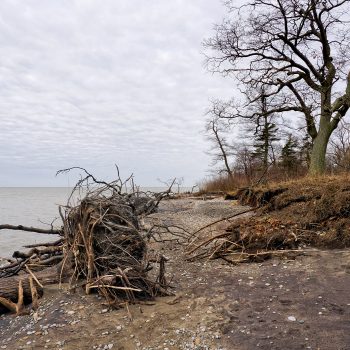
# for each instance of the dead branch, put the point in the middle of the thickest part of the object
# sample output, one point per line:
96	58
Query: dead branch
31	229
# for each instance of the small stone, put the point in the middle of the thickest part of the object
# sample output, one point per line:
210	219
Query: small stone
292	318
301	321
119	328
70	312
110	346
104	311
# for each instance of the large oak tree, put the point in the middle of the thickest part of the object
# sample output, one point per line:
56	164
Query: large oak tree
296	53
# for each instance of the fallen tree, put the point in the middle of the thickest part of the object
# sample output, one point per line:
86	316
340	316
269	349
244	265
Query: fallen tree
102	245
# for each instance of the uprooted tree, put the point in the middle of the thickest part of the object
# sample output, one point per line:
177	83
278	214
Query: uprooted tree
102	247
295	55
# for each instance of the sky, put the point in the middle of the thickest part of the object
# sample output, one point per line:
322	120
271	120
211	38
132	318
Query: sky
93	83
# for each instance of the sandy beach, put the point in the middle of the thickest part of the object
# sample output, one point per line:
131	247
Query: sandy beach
278	304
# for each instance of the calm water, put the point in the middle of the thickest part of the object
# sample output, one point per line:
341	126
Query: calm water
31	206
28	206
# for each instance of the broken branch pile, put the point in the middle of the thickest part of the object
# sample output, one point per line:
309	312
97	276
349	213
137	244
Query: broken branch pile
40	256
104	242
102	246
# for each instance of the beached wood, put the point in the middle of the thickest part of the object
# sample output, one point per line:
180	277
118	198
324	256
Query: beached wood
102	236
17	289
30	229
46	244
36	251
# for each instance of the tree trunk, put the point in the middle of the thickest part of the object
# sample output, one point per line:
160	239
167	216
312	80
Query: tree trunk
51	275
318	152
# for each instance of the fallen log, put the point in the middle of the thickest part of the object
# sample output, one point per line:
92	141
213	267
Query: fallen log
10	287
46	244
30	229
36	251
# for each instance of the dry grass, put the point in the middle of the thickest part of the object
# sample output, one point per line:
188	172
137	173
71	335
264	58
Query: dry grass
290	216
318	204
223	183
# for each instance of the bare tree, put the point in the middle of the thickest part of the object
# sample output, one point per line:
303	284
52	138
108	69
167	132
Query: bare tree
296	53
340	148
265	135
220	148
244	162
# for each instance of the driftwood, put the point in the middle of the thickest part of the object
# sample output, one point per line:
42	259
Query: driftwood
36	258
31	229
104	235
17	291
102	245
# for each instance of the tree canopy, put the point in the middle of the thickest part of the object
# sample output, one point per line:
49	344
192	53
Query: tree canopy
293	53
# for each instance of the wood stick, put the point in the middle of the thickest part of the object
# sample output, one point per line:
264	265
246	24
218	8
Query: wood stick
221	235
33	276
34	292
223	219
30	229
20	302
9	305
47	244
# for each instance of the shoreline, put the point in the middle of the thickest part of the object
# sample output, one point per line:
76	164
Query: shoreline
303	302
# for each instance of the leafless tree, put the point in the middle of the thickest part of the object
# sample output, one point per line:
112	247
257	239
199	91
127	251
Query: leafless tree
220	149
294	53
340	148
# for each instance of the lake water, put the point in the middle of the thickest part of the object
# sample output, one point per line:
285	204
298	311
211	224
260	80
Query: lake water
32	206
28	206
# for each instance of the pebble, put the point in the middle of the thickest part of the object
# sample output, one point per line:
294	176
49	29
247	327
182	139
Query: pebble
292	318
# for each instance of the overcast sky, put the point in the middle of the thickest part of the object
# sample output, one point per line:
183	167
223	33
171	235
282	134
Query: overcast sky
94	83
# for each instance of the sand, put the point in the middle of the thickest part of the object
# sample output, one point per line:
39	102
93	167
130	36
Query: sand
279	304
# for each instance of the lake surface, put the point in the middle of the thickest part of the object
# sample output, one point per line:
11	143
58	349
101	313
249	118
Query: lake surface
32	206
29	206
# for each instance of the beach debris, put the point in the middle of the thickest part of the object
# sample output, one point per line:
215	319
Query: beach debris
103	241
102	246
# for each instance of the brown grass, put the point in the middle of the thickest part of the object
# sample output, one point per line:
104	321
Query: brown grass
223	183
290	216
318	205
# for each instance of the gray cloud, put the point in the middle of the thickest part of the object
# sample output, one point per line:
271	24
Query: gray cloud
92	83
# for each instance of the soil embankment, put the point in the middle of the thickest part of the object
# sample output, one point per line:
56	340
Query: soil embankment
302	303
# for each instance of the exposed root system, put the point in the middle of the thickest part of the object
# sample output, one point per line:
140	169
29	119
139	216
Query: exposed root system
102	234
102	246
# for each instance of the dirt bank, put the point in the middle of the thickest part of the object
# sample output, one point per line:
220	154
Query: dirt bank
278	304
